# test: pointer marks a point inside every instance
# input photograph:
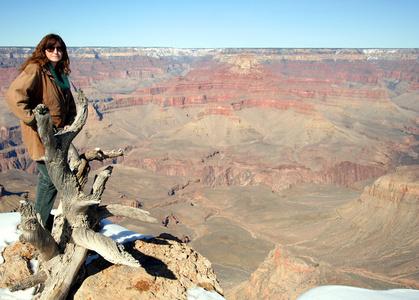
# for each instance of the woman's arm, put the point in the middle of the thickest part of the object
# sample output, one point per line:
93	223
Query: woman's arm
21	93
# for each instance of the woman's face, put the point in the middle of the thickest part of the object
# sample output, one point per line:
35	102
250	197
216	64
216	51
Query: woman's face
54	53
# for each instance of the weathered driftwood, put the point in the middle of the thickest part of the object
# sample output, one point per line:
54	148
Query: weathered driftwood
64	250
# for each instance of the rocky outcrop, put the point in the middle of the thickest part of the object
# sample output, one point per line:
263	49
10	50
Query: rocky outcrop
13	154
16	266
11	134
245	173
17	158
10	202
168	269
285	276
401	186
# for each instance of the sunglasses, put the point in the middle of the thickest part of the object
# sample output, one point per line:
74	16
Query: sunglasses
52	49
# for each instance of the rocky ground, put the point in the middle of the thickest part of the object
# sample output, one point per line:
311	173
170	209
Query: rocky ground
168	270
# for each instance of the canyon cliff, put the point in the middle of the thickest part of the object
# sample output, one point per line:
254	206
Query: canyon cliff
369	242
257	151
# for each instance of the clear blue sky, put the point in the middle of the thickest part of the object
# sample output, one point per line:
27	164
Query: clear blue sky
214	23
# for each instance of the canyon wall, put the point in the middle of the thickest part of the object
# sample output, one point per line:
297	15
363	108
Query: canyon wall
273	116
267	150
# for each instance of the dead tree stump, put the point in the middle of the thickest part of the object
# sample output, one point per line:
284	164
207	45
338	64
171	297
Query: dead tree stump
64	250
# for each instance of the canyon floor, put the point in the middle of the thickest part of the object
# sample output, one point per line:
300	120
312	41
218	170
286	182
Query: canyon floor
234	227
237	227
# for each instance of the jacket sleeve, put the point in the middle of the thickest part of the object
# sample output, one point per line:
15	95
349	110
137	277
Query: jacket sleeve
22	93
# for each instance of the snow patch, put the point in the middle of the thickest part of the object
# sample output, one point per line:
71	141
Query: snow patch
339	292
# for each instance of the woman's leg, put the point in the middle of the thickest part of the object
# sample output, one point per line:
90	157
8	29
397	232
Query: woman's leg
45	193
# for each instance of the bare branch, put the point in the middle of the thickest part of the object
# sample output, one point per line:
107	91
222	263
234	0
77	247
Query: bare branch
39	277
81	118
62	270
35	233
100	181
78	165
119	210
45	127
81	206
56	150
67	136
98	154
74	160
105	246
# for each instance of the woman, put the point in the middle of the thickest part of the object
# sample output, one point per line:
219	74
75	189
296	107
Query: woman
43	79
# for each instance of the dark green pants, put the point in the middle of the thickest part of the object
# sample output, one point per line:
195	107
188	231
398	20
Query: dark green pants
45	193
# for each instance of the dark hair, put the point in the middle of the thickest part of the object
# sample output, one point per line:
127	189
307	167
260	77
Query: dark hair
38	56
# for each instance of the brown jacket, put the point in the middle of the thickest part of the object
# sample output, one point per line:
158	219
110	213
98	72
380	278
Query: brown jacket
33	86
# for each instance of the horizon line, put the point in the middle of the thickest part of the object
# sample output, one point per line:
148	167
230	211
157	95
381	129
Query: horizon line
209	48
